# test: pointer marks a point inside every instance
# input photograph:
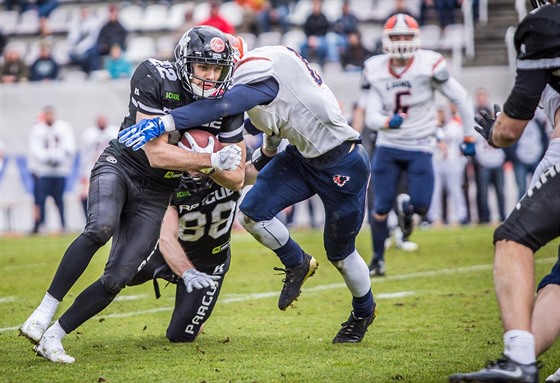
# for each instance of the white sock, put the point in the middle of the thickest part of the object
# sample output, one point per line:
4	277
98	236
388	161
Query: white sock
46	309
55	331
520	346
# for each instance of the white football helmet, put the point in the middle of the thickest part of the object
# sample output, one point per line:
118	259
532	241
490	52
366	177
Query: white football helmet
401	25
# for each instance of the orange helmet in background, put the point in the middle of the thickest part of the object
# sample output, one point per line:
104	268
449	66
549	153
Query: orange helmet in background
401	25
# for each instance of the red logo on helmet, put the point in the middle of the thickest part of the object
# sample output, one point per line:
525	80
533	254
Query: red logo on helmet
217	44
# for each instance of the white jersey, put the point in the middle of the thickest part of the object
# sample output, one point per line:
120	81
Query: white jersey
51	149
305	111
411	91
94	140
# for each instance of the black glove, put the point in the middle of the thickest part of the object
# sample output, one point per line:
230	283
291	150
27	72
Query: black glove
486	123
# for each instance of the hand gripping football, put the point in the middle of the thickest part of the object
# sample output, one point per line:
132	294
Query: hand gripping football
200	141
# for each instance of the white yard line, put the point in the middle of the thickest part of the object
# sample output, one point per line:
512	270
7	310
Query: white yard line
231	298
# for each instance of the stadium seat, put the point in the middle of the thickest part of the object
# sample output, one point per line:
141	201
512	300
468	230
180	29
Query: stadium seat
361	9
382	9
293	39
302	9
140	48
155	18
430	36
131	17
332	9
269	38
371	34
176	15
60	51
9	21
452	36
232	12
28	23
32	52
201	12
59	19
165	47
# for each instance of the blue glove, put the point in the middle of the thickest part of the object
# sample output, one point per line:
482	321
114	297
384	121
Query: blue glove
486	124
139	134
396	121
468	148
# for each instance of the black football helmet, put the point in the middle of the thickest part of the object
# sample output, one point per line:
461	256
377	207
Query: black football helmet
207	45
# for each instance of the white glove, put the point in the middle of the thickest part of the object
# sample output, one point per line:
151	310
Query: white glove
195	279
199	149
271	143
227	158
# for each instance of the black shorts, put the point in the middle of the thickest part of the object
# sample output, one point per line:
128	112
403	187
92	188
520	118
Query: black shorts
535	221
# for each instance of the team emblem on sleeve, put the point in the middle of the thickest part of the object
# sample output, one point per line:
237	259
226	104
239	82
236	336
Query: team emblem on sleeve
340	180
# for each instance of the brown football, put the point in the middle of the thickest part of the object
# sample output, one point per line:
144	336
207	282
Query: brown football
201	137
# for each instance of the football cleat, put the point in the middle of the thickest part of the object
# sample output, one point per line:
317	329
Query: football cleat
404	214
377	269
51	348
504	370
354	329
554	378
32	329
295	277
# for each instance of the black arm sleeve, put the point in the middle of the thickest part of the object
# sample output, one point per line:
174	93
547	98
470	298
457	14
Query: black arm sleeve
526	93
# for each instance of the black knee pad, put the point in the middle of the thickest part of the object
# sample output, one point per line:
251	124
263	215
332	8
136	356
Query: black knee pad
100	231
113	283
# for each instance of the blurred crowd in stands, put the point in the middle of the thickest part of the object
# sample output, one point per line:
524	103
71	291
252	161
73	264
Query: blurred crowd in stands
43	40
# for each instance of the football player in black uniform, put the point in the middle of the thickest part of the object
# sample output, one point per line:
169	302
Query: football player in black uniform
195	237
534	222
130	190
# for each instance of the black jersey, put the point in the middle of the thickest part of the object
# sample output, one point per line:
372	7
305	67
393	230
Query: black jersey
537	41
205	222
156	89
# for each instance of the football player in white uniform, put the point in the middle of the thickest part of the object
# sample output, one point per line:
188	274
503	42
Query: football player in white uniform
285	97
400	88
530	327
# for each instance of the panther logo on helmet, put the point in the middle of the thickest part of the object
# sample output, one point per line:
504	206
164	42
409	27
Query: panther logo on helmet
401	36
204	45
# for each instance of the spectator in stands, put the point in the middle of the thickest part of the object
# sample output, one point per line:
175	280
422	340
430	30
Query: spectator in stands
216	20
94	140
112	32
275	12
449	168
251	11
346	24
14	68
489	171
51	149
353	57
82	35
116	64
527	152
316	44
44	68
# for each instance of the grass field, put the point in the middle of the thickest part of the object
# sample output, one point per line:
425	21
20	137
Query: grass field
437	315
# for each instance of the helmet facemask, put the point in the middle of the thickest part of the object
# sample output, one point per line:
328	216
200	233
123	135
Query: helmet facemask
207	46
396	26
196	183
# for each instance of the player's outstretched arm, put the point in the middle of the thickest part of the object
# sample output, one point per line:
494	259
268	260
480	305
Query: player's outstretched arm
175	256
237	100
